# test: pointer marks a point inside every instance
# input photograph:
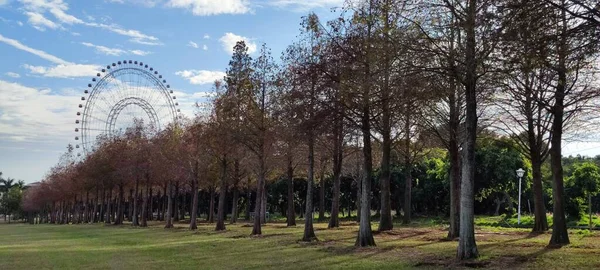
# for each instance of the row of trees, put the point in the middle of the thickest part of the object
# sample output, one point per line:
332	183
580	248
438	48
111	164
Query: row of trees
387	80
11	192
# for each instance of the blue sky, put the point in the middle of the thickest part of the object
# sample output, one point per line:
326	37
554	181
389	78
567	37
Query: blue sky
50	49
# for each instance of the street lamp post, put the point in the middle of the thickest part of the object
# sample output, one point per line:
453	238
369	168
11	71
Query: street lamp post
520	173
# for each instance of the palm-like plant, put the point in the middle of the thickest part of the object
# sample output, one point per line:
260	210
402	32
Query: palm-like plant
7	184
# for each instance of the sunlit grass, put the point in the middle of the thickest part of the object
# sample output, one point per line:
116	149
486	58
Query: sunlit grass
420	244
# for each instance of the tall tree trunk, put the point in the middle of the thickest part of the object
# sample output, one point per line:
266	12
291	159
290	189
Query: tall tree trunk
453	231
194	211
211	206
248	199
222	192
453	151
150	213
385	218
102	204
120	207
235	205
135	220
94	218
165	201
263	208
540	222
334	220
291	209
365	234
309	232
322	194
560	236
256	229
107	219
176	203
236	192
467	248
86	214
169	215
407	166
147	203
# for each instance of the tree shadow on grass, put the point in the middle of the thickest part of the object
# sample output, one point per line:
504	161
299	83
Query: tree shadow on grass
499	243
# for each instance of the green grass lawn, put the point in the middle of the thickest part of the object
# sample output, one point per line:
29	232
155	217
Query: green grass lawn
420	245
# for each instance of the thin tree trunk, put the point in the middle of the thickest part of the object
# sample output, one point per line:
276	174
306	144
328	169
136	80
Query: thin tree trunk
194	211
176	203
248	200
134	214
309	232
120	207
540	222
165	201
291	209
107	219
94	218
235	205
407	168
263	208
322	194
222	192
150	214
334	220
147	200
169	215
256	229
211	209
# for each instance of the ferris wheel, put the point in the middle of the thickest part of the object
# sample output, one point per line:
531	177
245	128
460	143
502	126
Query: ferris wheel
122	93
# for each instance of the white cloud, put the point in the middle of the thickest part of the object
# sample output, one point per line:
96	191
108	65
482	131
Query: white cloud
39	53
12	75
206	36
204	47
211	7
201	76
230	39
105	50
140	52
59	9
26	111
114	51
193	45
305	5
20	23
39	22
135	35
64	70
210	94
146	3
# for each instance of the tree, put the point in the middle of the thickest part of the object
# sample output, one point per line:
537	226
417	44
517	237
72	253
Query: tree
585	181
10	201
525	115
571	45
